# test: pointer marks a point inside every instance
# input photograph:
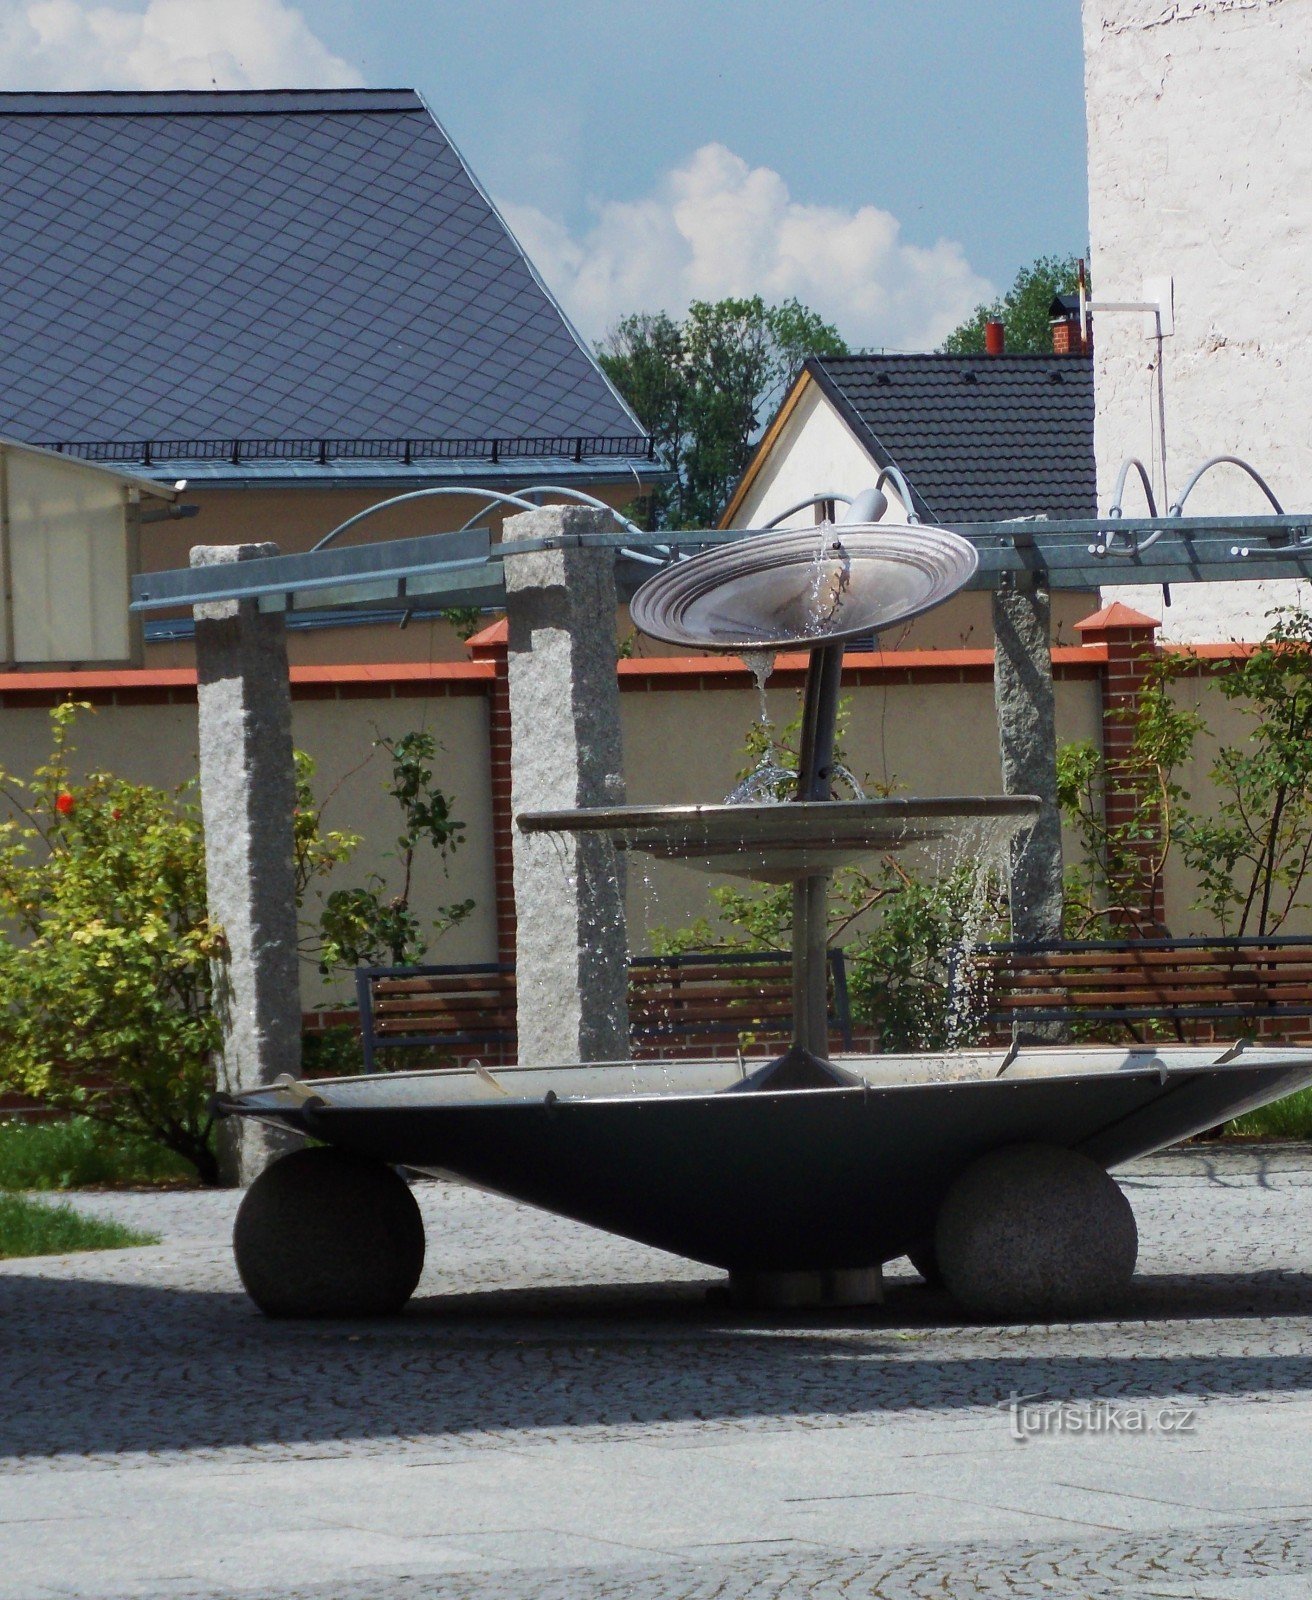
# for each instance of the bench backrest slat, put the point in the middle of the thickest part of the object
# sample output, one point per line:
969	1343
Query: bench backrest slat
698	995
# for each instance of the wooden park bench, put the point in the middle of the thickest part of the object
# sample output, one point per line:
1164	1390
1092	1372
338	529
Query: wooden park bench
1197	987
678	1004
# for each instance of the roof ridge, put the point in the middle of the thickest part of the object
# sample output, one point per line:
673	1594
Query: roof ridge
947	355
202	102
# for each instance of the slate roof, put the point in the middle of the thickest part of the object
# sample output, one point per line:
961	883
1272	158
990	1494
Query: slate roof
978	438
313	277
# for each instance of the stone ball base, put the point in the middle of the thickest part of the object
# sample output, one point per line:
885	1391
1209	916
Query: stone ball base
1035	1232
323	1233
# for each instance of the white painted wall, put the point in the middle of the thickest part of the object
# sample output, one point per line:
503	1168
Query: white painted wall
815	452
1200	169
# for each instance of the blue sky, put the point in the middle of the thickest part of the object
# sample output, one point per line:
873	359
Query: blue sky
886	160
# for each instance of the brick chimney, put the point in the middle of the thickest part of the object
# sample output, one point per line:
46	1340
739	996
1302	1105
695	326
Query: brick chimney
1064	320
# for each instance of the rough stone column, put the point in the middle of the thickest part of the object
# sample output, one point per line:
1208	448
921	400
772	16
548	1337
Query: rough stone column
248	795
1022	689
571	945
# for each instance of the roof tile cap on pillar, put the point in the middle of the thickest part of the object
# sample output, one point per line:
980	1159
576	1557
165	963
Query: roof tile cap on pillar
488	641
1117	618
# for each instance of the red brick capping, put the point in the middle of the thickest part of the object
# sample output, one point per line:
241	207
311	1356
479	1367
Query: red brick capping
136	686
1130	640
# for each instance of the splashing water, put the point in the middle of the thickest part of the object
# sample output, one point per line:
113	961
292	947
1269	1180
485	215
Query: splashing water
768	784
986	847
760	663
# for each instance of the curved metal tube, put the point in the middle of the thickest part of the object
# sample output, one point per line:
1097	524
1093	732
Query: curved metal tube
571	494
494	497
893	475
1118	493
420	494
802	505
1231	461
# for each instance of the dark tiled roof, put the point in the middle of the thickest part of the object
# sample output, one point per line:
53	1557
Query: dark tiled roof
291	265
978	438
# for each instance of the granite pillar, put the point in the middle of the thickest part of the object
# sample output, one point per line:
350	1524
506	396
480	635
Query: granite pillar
571	945
248	796
1023	692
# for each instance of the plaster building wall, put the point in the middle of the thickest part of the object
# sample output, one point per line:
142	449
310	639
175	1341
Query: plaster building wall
1200	171
814	451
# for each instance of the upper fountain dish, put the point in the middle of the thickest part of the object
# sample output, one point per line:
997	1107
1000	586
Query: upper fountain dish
804	587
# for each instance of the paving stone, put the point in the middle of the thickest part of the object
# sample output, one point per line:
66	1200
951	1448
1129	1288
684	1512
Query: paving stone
563	1414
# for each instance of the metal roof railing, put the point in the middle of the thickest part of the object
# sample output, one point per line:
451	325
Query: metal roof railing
562	447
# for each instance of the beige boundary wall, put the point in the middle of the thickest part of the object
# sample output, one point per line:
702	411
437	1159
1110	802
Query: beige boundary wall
920	720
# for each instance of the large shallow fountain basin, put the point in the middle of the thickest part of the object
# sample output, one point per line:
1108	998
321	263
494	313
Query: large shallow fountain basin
779	843
798	1180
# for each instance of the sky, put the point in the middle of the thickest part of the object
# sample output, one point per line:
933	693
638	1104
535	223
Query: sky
891	163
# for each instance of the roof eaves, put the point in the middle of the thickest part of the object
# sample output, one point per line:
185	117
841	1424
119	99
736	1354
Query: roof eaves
639	471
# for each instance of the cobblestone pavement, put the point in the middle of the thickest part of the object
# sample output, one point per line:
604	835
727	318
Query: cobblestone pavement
561	1414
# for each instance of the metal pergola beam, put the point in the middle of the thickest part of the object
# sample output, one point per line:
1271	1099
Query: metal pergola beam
465	569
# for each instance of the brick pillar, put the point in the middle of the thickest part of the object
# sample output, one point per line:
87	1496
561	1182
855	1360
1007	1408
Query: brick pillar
492	645
1130	639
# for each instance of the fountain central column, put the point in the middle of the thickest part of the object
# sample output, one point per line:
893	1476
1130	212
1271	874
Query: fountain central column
811	894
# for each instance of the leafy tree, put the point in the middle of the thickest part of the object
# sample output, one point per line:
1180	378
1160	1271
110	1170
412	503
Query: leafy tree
702	386
1023	310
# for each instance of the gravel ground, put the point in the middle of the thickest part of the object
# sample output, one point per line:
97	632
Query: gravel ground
562	1414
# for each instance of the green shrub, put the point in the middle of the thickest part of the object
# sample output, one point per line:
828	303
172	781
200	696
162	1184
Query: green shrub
32	1228
105	973
78	1153
108	956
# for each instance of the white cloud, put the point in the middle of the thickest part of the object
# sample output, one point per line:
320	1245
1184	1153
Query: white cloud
166	44
716	227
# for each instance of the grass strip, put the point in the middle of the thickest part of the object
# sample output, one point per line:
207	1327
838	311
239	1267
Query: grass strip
33	1228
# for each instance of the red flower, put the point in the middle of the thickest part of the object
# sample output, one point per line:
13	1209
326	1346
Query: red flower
64	803
116	813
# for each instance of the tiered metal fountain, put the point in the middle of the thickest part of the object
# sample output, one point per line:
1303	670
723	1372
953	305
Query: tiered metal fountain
804	1176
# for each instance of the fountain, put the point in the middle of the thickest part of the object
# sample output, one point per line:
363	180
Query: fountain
806	1175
